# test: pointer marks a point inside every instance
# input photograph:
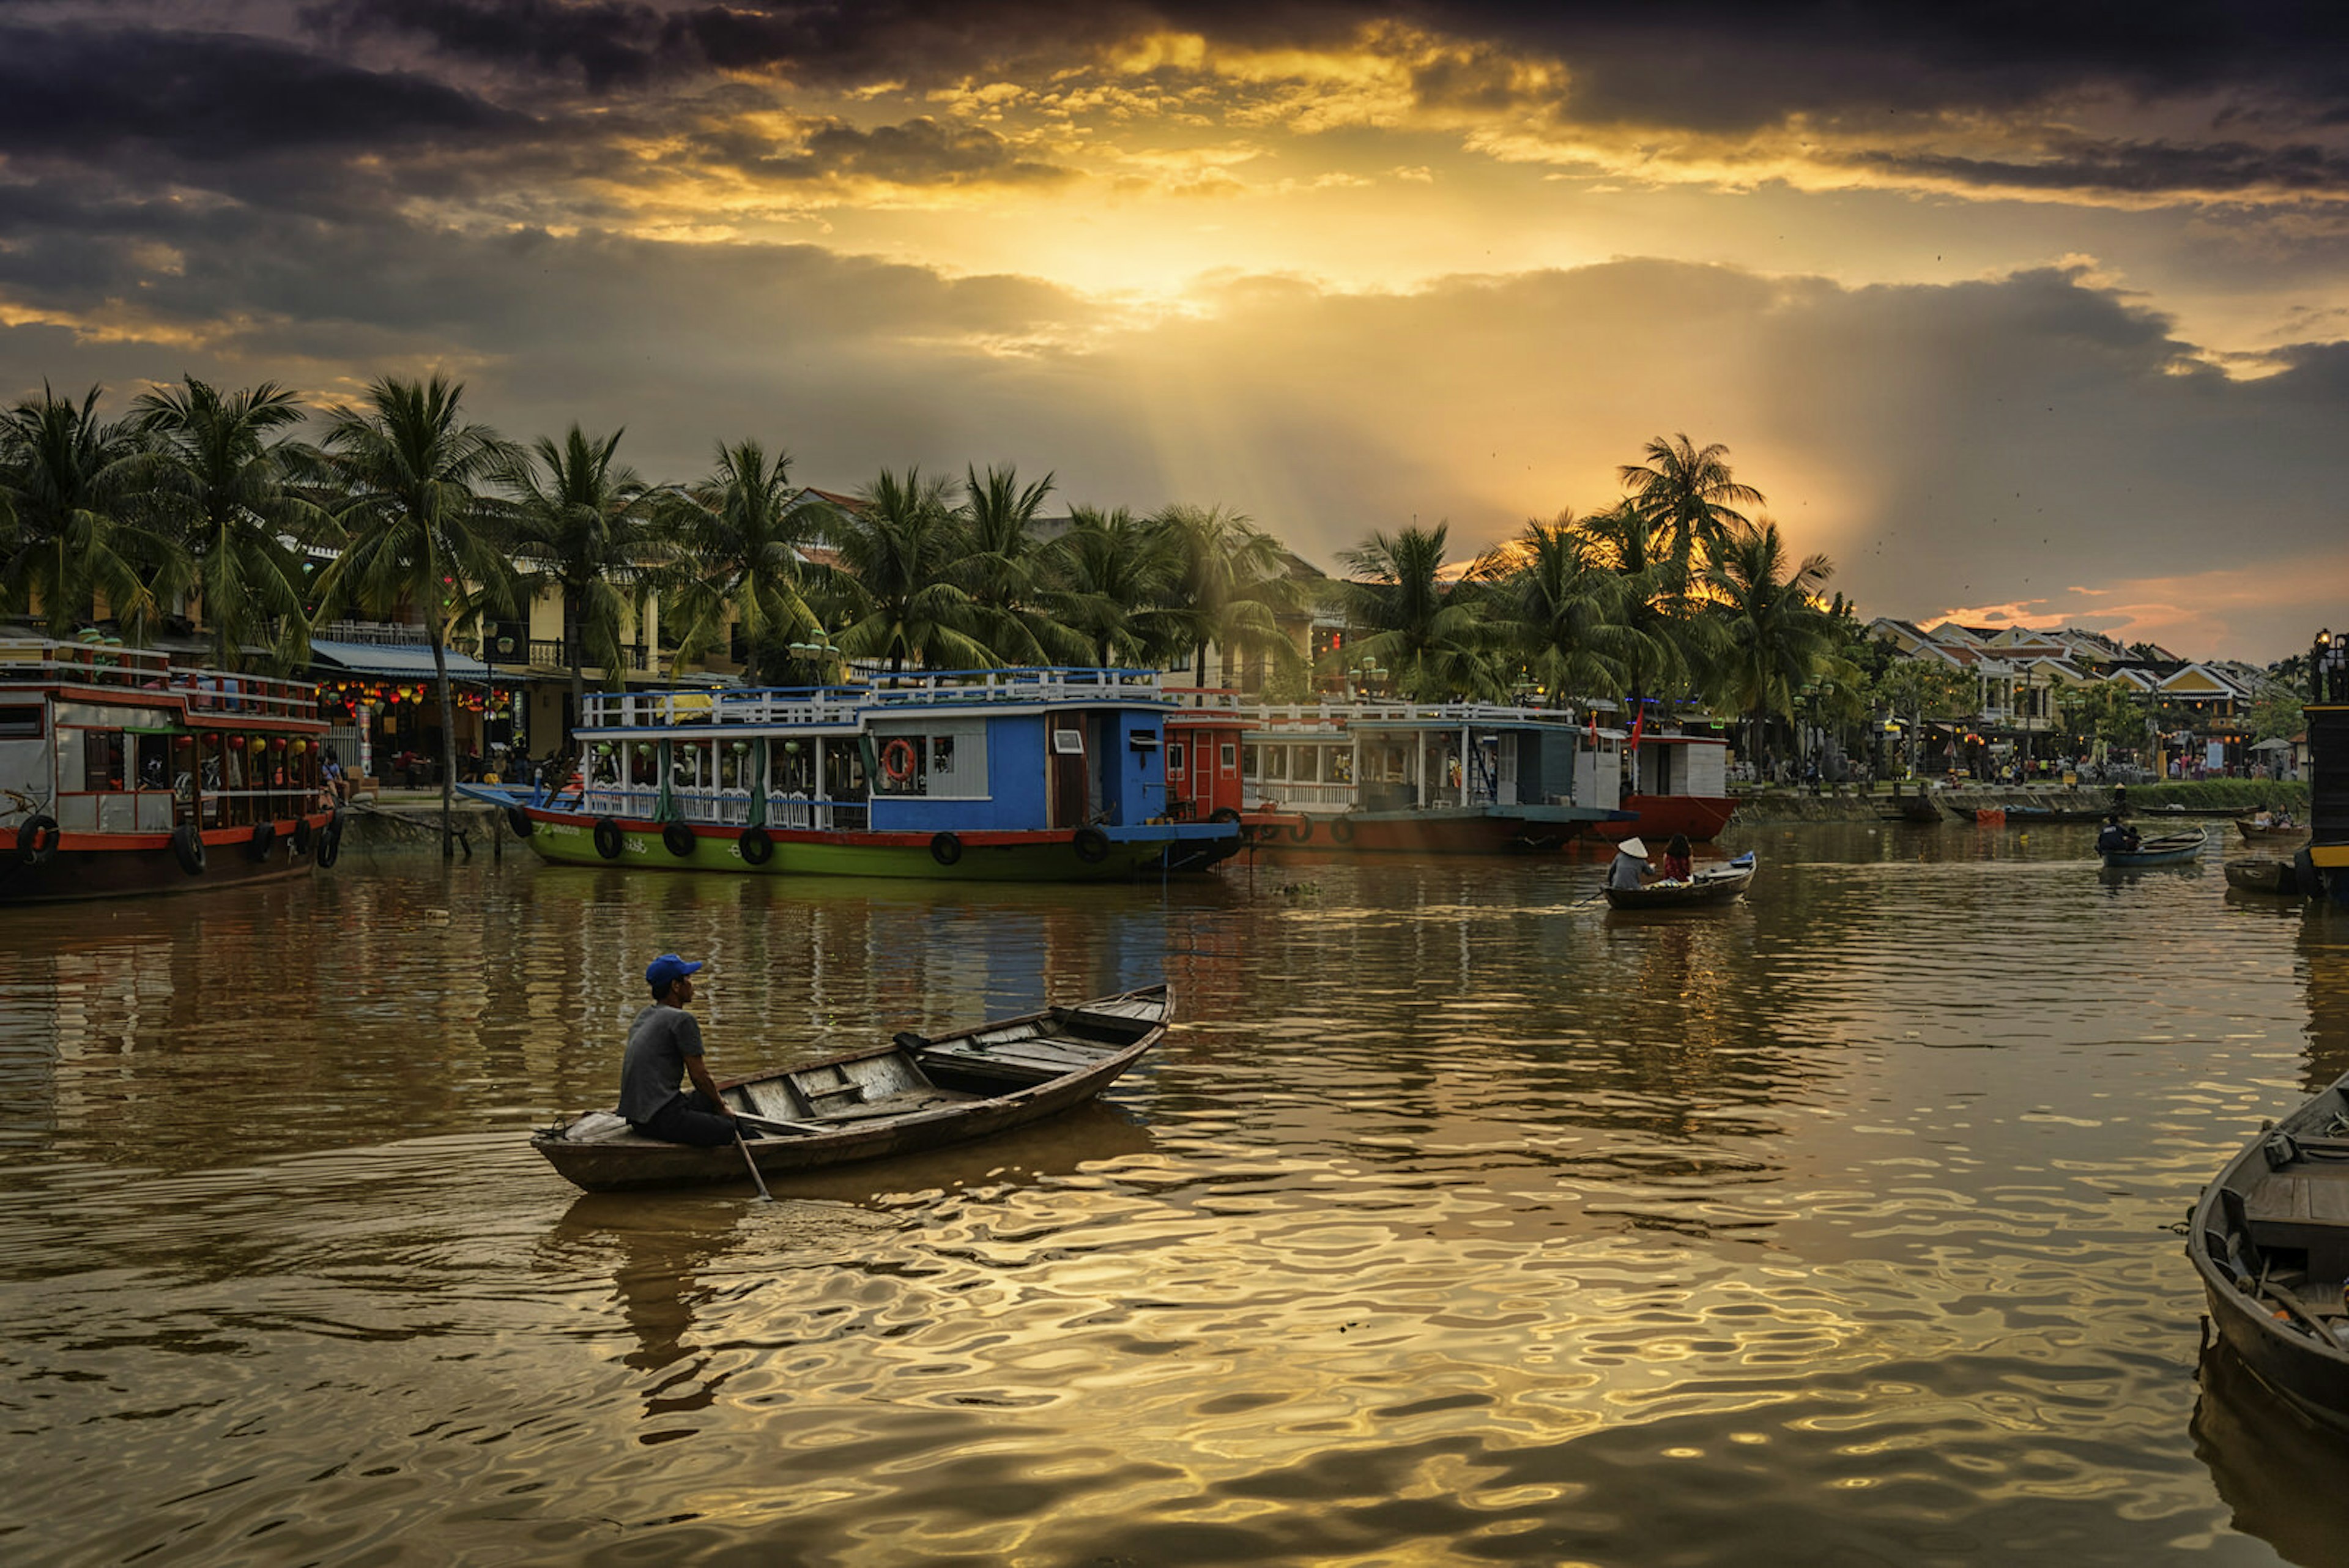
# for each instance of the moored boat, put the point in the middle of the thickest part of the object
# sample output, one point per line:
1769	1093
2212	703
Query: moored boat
1681	785
2269	1240
2253	829
2160	849
914	1093
1921	808
1450	779
996	775
2278	878
123	774
1707	887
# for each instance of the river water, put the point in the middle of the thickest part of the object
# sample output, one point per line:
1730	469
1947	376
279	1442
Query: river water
1458	1220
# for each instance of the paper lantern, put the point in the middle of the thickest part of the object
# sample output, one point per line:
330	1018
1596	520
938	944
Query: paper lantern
644	748
740	747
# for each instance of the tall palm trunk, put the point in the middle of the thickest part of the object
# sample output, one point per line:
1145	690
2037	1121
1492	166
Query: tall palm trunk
448	738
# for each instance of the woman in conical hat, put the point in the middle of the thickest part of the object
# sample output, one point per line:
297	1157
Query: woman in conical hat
1631	868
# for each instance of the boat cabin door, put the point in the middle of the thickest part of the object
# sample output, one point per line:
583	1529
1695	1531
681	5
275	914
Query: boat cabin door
1067	778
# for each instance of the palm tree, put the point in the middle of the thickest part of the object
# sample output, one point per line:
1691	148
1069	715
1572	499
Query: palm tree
1004	568
1774	633
1232	583
70	479
738	541
582	523
1664	646
897	549
221	473
1399	612
1109	579
1551	606
419	533
1685	494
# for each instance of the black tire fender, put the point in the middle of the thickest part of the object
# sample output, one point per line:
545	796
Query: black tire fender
1223	813
1341	832
330	841
609	840
264	836
945	848
37	840
677	839
1091	845
1301	831
757	845
188	845
302	834
519	820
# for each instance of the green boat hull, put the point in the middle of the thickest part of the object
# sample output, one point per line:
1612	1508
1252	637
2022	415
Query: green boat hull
1040	857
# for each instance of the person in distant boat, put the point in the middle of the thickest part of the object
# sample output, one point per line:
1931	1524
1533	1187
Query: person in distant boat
2114	836
1631	868
664	1048
1674	866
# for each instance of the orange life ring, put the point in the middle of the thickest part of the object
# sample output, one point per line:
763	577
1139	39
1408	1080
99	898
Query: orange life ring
898	760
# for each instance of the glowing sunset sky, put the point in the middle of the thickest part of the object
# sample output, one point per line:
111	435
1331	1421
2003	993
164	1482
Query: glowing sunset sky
2030	310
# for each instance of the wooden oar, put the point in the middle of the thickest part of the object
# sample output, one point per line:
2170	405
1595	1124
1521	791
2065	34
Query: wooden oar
765	1123
764	1196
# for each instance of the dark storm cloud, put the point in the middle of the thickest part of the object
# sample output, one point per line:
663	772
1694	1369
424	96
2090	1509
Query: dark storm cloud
610	44
2141	168
88	93
1705	64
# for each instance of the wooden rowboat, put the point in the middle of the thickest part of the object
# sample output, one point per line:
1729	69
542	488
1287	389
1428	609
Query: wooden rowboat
2269	1239
2266	830
914	1093
2162	849
1721	884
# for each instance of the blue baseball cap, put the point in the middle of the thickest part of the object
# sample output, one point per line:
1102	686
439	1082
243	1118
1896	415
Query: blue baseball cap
666	970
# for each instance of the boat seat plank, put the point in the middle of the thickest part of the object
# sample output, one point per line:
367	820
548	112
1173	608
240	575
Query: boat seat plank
1061	1055
904	1104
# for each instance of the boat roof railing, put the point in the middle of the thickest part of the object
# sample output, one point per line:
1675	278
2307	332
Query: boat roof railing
818	707
38	663
1373	714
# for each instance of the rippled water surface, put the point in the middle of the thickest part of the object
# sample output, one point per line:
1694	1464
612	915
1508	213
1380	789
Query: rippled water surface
1459	1220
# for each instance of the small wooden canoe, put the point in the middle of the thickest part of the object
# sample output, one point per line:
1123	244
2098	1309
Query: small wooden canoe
2162	849
1919	809
2269	1239
2263	831
914	1093
2278	878
1723	884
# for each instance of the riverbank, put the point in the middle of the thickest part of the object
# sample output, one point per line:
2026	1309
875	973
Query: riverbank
1772	807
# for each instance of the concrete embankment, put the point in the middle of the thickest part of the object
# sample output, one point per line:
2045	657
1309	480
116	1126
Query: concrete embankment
407	827
1769	807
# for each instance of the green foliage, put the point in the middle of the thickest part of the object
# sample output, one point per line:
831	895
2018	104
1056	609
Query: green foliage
2211	793
2277	714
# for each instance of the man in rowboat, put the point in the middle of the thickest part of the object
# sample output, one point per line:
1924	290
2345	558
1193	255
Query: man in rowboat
665	1047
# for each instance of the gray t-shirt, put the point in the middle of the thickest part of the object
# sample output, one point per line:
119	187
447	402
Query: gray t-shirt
653	1068
1626	872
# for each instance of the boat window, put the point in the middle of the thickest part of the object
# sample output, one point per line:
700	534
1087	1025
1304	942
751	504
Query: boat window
1309	765
1341	767
1175	757
20	723
904	764
1251	760
1231	754
1276	762
101	760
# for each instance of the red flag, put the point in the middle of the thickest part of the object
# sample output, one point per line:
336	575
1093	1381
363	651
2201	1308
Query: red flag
1638	723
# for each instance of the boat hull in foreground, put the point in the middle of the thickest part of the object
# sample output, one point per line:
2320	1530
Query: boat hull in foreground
2269	1240
911	1095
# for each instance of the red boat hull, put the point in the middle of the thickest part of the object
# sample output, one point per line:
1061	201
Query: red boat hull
1699	817
144	865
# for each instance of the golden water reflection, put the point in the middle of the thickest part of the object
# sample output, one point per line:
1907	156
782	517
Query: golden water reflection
1457	1219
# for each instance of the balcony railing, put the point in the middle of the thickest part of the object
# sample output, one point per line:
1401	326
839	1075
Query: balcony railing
555	653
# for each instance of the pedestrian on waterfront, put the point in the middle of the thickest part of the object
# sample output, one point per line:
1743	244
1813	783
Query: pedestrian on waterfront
1631	868
1674	866
665	1048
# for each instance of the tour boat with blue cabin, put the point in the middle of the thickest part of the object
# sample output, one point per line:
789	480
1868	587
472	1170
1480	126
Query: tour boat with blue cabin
996	775
124	775
1454	778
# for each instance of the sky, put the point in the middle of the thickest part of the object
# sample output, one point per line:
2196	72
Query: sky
2017	313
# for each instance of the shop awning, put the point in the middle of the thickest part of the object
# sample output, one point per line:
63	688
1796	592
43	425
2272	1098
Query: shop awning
399	660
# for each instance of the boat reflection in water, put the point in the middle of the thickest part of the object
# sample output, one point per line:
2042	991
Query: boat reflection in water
2278	1473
